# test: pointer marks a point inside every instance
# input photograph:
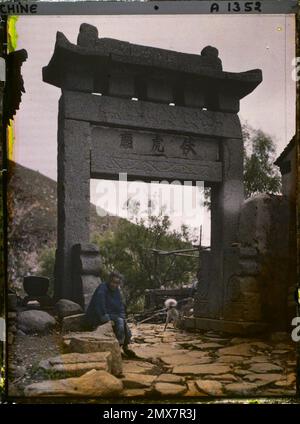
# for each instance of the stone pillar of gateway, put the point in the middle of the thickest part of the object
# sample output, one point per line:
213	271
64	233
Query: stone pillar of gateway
151	95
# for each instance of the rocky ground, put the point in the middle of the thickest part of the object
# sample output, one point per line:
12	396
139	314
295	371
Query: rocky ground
170	364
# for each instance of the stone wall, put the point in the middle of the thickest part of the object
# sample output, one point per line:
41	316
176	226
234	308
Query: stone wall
259	271
265	225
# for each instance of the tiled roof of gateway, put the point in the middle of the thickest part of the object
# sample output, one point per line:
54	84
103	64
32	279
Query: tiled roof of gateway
102	52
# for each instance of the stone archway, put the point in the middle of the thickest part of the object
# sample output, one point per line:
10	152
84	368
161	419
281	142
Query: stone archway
184	126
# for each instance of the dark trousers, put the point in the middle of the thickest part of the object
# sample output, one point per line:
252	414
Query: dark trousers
121	329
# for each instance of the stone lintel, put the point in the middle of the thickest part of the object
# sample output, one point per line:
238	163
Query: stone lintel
154	169
123	113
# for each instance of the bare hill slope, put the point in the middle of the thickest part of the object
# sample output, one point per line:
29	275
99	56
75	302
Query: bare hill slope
32	202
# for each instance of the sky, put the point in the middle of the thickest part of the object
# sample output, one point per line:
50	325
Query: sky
244	42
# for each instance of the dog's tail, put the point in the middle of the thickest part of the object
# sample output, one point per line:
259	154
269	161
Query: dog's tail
170	303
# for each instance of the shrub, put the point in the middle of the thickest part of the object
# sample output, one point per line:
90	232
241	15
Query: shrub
46	262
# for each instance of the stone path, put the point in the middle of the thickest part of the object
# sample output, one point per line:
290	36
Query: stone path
174	363
210	364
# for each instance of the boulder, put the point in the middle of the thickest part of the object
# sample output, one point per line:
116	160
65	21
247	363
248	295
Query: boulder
35	321
211	387
73	323
92	384
65	308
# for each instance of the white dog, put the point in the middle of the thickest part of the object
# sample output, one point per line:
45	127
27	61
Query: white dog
172	312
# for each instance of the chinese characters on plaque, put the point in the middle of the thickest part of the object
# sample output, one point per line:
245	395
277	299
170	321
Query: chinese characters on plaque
188	147
126	140
158	146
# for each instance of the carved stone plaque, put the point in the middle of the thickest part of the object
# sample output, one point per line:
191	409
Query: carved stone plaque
146	155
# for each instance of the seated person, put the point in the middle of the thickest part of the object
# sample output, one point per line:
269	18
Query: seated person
107	305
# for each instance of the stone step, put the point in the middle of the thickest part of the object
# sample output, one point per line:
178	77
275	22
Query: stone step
100	340
76	364
92	384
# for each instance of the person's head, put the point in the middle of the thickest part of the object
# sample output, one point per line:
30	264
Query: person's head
115	280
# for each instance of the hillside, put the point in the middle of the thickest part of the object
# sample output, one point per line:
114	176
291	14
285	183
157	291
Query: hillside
32	214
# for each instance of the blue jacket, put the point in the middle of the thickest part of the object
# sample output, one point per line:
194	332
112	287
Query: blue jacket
104	303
